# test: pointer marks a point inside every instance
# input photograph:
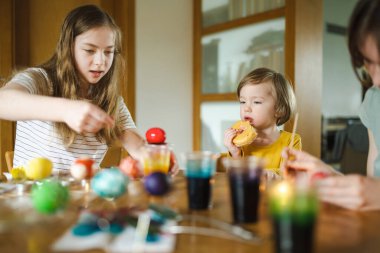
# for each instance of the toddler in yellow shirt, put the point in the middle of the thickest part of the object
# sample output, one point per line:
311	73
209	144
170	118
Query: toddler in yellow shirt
267	101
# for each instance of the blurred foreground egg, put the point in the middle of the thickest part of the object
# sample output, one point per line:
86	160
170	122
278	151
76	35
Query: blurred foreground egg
49	196
18	173
136	188
109	183
129	167
83	168
157	183
38	168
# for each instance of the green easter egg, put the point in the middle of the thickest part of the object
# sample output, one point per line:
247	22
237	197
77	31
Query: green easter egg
49	197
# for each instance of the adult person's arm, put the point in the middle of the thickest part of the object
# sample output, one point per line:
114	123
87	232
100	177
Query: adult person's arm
16	103
352	191
302	161
372	154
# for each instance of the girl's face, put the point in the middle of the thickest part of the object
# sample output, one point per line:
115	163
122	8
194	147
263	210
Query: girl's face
94	52
257	105
371	59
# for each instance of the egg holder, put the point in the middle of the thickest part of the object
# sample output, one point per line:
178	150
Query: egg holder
19	187
17	209
22	187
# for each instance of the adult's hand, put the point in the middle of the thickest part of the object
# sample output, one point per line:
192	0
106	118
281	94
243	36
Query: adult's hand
302	161
353	192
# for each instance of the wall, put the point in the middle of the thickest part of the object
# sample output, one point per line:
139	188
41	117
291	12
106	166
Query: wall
341	89
164	57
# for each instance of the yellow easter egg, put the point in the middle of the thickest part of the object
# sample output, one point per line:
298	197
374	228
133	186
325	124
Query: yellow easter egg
38	168
18	173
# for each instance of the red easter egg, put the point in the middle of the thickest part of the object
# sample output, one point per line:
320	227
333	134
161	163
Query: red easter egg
155	135
129	167
83	168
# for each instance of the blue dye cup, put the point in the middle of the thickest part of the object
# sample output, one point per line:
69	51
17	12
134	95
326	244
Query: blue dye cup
199	170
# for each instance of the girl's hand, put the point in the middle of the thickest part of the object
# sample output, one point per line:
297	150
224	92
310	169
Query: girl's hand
135	168
131	167
173	167
229	135
84	117
353	192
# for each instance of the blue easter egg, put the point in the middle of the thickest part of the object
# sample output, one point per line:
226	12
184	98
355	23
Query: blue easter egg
157	183
109	183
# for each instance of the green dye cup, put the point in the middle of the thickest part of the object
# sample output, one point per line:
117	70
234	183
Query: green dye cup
294	212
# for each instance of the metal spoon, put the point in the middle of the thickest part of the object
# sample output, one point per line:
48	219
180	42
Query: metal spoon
223	229
234	230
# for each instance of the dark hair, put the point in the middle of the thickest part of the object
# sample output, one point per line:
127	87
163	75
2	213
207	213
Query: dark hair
364	22
284	94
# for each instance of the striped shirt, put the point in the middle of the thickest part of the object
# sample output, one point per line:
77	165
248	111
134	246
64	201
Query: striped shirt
35	138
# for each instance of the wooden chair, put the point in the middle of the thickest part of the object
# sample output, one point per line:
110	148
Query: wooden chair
219	165
9	159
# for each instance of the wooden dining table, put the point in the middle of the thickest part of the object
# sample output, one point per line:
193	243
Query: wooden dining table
22	229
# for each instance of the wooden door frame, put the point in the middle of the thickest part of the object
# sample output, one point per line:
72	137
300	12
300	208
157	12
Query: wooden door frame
6	65
304	48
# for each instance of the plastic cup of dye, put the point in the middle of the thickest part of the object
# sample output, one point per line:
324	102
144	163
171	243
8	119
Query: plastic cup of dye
244	175
294	211
199	170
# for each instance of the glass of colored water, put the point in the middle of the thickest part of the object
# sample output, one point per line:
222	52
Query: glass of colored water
199	170
244	181
293	210
156	158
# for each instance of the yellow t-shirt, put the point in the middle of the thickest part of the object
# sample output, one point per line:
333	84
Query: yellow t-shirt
272	153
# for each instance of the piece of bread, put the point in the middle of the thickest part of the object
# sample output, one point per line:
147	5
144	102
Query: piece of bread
247	136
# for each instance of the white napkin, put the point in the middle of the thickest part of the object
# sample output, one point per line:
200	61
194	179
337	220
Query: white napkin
71	242
120	243
124	243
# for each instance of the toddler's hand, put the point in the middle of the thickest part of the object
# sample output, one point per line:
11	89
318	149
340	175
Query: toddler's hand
229	135
82	116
